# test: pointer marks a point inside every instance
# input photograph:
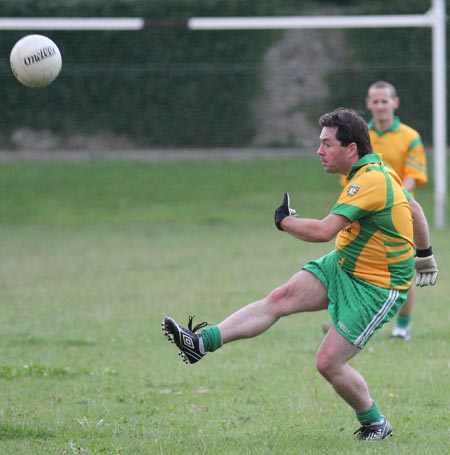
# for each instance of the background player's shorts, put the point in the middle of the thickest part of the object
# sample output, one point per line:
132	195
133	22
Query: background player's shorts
358	308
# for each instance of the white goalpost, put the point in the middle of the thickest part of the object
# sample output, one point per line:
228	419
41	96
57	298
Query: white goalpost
434	18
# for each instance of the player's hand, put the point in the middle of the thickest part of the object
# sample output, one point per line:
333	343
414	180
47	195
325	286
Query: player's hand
427	271
283	211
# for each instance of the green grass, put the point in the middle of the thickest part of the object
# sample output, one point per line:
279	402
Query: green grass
94	254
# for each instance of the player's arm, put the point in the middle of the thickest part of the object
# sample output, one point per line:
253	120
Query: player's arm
420	224
409	183
425	263
308	229
312	230
415	165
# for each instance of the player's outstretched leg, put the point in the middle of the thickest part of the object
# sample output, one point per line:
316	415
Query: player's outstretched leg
188	342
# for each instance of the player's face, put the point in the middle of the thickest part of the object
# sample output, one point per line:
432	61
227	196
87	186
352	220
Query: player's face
336	159
381	104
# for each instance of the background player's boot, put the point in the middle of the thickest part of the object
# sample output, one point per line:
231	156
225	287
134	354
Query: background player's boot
402	333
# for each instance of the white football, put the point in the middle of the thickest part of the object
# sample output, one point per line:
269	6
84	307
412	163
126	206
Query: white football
35	61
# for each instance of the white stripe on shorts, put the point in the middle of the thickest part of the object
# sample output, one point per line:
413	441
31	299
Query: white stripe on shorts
378	318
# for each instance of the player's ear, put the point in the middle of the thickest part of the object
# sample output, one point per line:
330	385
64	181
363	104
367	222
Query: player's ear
352	148
396	102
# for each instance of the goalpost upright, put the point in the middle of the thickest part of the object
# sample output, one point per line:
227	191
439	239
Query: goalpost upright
435	18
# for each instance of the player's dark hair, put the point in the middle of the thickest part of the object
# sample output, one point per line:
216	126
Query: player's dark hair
351	127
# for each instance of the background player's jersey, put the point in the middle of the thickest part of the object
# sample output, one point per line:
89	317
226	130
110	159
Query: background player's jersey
401	147
377	245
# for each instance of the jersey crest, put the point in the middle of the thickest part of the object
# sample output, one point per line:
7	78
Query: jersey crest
353	189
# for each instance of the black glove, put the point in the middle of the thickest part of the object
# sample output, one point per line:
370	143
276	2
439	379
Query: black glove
426	268
283	211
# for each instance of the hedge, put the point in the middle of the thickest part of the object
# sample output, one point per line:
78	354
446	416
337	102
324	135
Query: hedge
175	87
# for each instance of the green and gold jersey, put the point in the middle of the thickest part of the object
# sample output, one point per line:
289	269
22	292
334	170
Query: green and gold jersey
377	245
402	148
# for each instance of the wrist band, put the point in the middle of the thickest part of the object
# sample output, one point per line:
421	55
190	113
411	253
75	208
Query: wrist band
424	253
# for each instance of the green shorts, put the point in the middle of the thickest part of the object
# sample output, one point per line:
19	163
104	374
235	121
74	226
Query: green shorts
358	308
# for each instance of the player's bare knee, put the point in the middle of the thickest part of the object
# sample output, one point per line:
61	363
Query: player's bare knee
278	300
325	365
278	294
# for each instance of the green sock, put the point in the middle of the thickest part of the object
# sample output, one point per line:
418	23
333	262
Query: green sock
211	338
372	415
403	321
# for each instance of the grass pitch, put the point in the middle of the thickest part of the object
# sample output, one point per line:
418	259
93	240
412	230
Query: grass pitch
94	254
